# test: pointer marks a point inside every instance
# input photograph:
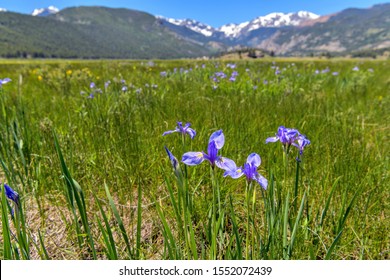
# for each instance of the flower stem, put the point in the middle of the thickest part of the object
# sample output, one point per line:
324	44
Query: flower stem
296	183
214	229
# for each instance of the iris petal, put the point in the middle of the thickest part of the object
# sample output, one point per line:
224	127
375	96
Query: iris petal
212	152
226	164
271	139
193	158
11	194
261	180
254	159
237	173
170	131
191	132
218	138
173	159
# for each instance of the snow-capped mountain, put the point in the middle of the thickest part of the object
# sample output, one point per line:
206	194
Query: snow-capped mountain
2	10
236	30
270	20
194	25
43	12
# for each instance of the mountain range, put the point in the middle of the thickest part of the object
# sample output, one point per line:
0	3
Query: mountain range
100	32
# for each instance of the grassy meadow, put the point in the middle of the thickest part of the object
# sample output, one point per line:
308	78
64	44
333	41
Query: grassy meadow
81	143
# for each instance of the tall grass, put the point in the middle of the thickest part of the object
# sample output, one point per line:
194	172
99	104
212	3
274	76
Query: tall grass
103	187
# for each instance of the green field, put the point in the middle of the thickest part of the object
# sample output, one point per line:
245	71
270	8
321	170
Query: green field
95	181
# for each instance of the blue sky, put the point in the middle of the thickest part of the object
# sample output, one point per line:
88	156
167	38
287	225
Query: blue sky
212	12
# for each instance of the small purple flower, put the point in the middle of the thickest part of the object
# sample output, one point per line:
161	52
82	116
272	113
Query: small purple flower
285	135
106	84
216	142
163	73
92	85
11	194
302	142
173	159
182	130
4	81
335	73
124	88
91	96
355	68
233	76
326	70
220	74
317	72
249	170
288	137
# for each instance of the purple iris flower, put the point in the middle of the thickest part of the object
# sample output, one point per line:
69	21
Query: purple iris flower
285	135
249	170
216	142
182	130
11	194
302	142
233	76
220	74
173	159
4	81
92	85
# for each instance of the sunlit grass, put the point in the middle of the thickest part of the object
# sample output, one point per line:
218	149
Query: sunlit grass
95	180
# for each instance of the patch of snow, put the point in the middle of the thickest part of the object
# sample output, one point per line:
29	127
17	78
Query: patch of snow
45	11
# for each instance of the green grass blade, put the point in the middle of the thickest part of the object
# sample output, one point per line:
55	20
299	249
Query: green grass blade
333	246
75	192
323	215
170	242
43	247
285	226
235	230
110	243
347	211
119	221
294	231
106	241
139	221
